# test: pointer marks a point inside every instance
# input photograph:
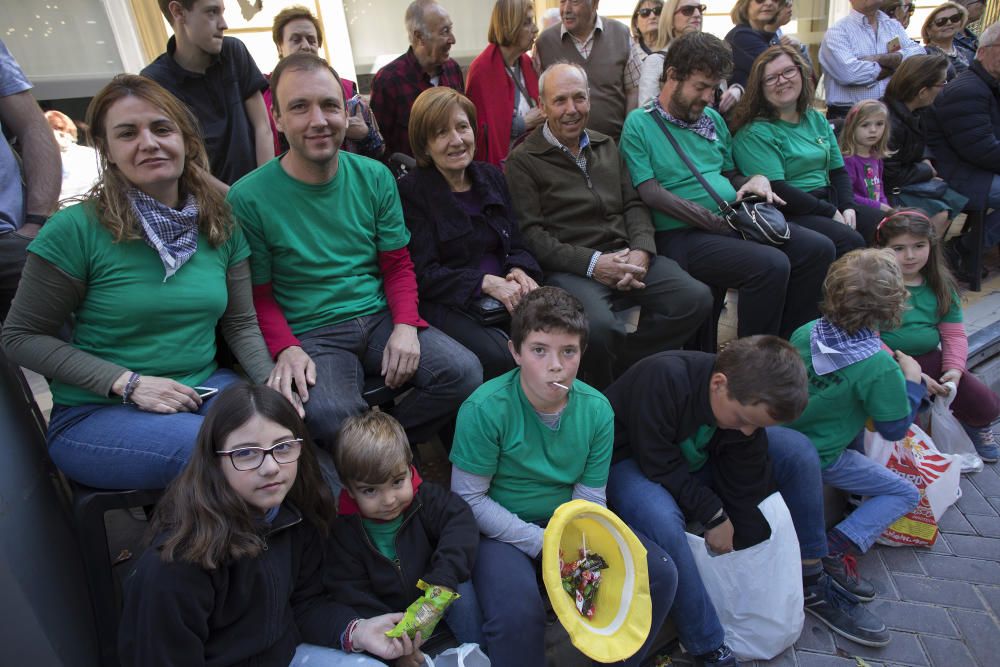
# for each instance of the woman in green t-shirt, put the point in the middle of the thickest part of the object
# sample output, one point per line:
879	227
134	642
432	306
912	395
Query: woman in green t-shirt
777	133
145	267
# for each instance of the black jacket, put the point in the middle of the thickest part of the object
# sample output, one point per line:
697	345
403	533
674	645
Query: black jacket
909	141
250	612
963	129
662	401
446	245
437	542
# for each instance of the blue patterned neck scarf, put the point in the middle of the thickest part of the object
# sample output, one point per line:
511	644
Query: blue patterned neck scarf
703	127
172	233
833	348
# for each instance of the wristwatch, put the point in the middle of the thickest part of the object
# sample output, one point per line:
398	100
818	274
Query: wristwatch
36	219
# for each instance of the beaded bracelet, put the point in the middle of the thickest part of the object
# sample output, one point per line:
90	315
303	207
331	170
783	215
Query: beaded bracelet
133	382
347	641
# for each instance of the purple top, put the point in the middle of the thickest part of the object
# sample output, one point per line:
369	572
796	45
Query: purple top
471	202
866	180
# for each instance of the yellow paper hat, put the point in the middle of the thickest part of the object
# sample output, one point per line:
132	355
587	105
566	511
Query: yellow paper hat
623	613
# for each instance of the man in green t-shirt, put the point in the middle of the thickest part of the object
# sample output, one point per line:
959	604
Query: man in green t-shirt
778	286
333	282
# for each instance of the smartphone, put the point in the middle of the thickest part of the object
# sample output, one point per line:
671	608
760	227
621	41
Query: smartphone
206	392
894	45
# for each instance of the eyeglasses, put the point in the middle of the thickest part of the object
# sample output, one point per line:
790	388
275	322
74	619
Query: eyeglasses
787	74
251	458
942	21
689	10
646	11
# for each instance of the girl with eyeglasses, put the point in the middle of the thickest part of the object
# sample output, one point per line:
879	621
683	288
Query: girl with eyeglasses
777	133
677	18
233	574
939	31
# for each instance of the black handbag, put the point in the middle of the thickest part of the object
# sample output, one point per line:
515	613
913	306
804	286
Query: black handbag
751	217
933	189
487	311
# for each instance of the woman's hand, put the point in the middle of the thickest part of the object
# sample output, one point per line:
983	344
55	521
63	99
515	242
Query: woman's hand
507	292
162	395
730	98
951	375
526	282
533	118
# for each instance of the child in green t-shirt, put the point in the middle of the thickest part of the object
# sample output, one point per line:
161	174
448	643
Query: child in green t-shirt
525	443
934	317
851	379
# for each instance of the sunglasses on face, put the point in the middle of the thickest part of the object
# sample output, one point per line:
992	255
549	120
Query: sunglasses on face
942	21
689	10
645	12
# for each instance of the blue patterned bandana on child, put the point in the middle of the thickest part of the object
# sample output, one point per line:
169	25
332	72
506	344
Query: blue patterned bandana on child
833	348
172	233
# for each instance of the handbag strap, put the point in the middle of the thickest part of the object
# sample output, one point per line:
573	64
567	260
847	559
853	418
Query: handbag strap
720	202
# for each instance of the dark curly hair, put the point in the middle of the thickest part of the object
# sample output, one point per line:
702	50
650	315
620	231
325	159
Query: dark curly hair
699	52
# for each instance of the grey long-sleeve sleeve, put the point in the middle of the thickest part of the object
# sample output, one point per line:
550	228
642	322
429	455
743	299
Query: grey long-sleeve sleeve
495	521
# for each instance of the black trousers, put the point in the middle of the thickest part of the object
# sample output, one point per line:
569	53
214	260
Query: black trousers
487	343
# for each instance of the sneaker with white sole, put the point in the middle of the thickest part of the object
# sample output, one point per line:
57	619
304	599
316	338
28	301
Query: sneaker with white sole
986	444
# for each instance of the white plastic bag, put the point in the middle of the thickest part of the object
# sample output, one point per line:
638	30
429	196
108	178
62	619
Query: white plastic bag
935	475
466	655
948	434
757	591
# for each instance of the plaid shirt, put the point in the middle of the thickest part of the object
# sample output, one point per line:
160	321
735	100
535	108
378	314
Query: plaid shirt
394	89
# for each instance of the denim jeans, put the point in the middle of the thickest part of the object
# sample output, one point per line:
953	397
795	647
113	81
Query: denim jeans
310	655
890	496
346	353
648	507
121	447
511	601
464	617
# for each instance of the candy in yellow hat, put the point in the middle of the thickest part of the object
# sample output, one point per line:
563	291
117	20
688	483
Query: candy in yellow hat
623	609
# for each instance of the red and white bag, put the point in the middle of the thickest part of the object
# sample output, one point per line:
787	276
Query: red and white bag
936	475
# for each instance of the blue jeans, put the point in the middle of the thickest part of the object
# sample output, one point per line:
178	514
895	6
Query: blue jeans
648	507
310	655
121	447
509	595
346	353
464	618
890	496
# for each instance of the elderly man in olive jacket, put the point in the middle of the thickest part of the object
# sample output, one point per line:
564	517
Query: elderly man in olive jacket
592	235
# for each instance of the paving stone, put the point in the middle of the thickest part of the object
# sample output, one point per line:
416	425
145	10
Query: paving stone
981	633
988	484
947	652
973	502
992	596
953	521
988	526
871	567
914	617
904	649
815	637
958	567
973	546
940	546
898	559
937	591
785	659
807	659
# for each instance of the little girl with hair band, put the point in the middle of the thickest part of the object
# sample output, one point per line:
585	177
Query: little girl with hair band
933	316
864	141
234	574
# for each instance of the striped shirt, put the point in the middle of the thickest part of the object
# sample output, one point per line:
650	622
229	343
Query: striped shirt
850	78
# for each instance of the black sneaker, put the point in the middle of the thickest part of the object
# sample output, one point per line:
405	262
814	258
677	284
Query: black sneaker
720	657
843	570
842	613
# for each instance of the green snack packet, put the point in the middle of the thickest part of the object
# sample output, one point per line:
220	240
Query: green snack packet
423	615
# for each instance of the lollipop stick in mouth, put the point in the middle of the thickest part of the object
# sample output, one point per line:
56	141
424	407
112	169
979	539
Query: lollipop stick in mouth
561	386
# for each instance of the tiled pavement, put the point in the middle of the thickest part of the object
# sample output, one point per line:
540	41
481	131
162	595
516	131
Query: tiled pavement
941	604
